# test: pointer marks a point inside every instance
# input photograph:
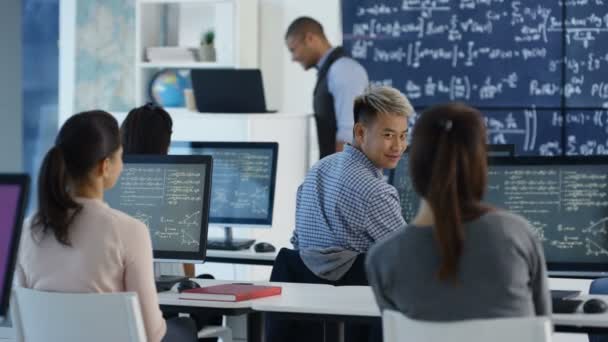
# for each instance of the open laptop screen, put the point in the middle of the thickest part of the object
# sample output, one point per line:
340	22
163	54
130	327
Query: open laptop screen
228	90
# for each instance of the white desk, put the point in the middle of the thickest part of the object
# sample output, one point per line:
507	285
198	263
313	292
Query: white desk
581	322
339	304
169	301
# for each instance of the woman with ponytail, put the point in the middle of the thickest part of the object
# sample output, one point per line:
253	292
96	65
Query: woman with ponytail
459	259
76	242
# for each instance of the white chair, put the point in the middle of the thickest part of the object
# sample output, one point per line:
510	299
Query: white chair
398	327
74	317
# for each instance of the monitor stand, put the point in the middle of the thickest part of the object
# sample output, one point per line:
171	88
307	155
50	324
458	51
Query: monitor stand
228	243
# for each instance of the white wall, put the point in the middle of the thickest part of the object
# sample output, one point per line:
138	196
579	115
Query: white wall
11	130
288	87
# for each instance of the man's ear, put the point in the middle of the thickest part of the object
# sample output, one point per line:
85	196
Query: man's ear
309	38
359	132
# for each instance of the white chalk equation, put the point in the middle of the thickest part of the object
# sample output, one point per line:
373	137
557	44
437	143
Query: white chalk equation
567	206
168	199
241	184
479	43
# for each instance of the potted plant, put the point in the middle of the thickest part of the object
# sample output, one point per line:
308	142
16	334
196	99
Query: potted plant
207	50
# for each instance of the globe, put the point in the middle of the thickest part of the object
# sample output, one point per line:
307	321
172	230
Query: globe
167	87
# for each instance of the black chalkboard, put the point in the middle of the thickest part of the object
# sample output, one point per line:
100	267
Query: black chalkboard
586	62
587	132
511	59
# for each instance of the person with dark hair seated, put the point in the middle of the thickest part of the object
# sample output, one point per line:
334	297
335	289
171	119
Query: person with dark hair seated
147	130
76	242
460	258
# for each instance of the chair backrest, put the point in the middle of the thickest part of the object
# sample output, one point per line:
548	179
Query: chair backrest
398	327
289	268
52	316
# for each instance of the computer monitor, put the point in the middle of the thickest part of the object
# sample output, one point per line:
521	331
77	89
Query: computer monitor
170	195
566	201
244	177
399	177
13	200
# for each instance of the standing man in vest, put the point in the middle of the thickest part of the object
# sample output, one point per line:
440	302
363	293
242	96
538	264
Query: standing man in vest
339	80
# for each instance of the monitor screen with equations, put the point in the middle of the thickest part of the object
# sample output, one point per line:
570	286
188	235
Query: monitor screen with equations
566	201
13	199
399	177
170	195
243	185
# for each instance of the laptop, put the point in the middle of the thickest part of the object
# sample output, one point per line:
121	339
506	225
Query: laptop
228	91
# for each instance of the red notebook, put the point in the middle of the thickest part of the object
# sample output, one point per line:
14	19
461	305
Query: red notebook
231	292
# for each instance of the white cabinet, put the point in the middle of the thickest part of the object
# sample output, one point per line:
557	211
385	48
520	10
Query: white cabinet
180	24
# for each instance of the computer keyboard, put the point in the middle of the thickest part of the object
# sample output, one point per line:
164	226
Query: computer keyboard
566	305
563	301
166	282
233	245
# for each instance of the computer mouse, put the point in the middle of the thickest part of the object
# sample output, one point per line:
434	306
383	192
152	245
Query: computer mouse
263	247
594	305
187	285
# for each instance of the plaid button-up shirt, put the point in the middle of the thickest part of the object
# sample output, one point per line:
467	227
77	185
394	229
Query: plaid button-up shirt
345	202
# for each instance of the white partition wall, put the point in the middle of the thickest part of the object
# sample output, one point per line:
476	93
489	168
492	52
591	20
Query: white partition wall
11	139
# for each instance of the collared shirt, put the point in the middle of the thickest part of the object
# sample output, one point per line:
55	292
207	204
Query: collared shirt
344	202
346	79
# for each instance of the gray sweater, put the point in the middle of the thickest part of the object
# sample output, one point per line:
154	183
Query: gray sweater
502	272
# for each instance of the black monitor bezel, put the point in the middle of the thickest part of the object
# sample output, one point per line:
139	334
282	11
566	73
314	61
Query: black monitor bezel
23	181
274	146
207	161
564	267
506	148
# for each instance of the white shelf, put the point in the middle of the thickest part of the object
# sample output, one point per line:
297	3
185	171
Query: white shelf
183	1
183	65
180	23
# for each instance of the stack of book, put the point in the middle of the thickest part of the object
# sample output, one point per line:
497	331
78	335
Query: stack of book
230	292
170	54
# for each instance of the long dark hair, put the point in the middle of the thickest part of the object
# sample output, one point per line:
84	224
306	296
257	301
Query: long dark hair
448	168
146	130
84	140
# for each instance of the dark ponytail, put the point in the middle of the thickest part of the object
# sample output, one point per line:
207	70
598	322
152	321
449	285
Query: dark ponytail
84	140
451	140
56	208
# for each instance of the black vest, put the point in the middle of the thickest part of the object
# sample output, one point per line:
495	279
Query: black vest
323	105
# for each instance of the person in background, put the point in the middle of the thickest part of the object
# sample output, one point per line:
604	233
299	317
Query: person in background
147	130
76	242
469	260
344	205
339	80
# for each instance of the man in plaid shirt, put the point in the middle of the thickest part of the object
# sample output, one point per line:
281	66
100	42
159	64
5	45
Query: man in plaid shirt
344	205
